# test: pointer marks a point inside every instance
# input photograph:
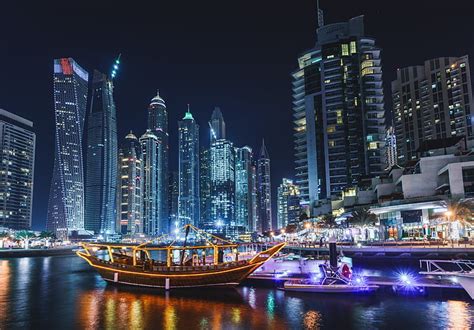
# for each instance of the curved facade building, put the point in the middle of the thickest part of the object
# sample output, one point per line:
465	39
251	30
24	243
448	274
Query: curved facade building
66	198
101	160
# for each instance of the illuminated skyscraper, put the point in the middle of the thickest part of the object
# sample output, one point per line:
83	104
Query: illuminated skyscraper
158	125
188	200
245	189
264	191
130	188
101	159
222	174
391	147
205	188
66	198
217	125
431	101
338	112
173	193
17	164
151	183
288	200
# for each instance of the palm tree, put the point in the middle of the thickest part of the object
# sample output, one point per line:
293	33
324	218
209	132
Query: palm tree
47	236
362	217
328	221
25	236
461	211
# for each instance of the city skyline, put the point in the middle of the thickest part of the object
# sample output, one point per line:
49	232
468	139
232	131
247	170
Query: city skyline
281	156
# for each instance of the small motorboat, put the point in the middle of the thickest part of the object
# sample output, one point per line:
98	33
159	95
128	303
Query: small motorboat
331	279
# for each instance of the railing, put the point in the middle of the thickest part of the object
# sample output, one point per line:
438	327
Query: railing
447	266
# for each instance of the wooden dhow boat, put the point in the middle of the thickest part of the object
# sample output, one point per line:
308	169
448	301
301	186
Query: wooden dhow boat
201	265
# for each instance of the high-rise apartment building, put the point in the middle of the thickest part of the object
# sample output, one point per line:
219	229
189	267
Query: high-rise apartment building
288	204
66	198
245	189
338	111
264	192
158	125
188	163
391	147
173	193
101	158
151	182
130	188
431	101
17	164
221	174
205	188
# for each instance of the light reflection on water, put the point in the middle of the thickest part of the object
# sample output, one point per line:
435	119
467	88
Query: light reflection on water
63	292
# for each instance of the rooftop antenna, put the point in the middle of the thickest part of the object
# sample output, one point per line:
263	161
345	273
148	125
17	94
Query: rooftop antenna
115	66
320	15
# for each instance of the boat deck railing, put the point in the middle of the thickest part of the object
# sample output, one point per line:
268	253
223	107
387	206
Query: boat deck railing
147	266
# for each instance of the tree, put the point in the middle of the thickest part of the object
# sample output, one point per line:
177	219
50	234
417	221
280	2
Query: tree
328	221
25	236
362	217
460	210
47	236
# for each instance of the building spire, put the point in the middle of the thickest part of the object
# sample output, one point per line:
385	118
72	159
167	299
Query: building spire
263	151
320	14
116	66
188	114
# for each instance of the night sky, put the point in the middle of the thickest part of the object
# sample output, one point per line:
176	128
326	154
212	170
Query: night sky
234	54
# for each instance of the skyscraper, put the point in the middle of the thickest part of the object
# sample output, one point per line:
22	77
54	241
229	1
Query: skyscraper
101	159
431	101
130	187
66	197
288	204
173	193
158	125
245	189
205	188
222	174
188	200
391	147
338	111
17	164
264	191
151	182
217	125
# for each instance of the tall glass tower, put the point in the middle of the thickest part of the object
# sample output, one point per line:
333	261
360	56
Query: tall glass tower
158	125
245	189
130	187
188	200
66	197
205	188
288	204
338	111
101	159
222	174
151	149
17	142
264	191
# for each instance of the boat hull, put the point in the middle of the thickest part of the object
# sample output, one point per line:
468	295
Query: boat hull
229	278
330	288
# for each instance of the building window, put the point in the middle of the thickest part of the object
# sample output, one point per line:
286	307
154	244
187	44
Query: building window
373	145
339	116
353	47
345	50
331	129
332	143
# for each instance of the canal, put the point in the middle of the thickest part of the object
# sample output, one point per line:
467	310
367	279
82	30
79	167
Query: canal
63	292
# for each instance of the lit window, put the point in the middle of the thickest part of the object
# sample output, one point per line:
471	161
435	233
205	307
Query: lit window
353	47
339	116
332	143
330	56
367	71
373	145
345	49
331	129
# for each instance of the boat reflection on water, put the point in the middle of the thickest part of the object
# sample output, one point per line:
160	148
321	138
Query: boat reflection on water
136	308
